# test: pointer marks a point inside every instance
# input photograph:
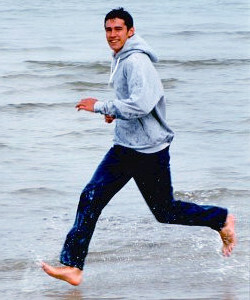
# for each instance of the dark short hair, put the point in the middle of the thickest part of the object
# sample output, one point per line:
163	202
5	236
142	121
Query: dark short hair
121	14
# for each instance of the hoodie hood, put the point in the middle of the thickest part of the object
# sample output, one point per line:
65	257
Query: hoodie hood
136	44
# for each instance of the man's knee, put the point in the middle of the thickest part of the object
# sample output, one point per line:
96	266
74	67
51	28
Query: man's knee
87	195
161	218
165	214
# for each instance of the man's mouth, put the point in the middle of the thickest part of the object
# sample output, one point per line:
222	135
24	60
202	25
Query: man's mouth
113	41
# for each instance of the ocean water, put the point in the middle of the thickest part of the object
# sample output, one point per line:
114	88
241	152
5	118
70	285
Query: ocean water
53	53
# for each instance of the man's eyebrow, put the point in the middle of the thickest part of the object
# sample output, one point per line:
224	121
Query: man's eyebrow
116	27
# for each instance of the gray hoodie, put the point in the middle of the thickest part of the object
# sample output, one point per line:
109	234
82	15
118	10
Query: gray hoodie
140	106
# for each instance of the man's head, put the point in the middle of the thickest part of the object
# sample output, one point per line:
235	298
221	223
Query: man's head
119	27
120	13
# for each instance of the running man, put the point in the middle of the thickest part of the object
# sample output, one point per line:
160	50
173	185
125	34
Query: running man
141	151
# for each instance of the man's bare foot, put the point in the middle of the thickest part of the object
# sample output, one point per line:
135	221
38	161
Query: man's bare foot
227	235
69	274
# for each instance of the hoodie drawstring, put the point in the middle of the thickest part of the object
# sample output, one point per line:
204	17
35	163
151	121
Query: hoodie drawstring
112	73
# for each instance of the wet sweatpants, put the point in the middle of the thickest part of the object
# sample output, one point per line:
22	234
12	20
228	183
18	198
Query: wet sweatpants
151	173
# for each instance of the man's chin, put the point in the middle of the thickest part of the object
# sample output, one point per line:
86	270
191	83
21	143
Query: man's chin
115	48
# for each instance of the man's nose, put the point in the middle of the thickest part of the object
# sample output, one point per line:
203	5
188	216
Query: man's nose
113	32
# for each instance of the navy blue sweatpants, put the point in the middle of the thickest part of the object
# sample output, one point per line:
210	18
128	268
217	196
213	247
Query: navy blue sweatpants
151	173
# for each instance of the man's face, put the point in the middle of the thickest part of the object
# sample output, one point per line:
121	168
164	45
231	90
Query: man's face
117	33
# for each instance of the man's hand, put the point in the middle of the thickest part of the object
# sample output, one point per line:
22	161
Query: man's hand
86	104
109	119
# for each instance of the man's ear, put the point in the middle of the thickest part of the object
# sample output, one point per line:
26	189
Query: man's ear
131	32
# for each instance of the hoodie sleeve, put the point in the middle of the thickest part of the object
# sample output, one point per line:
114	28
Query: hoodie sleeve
144	90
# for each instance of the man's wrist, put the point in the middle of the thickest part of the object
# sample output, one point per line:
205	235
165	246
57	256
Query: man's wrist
98	106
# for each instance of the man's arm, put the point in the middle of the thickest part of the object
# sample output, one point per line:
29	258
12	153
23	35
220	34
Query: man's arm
144	90
88	105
